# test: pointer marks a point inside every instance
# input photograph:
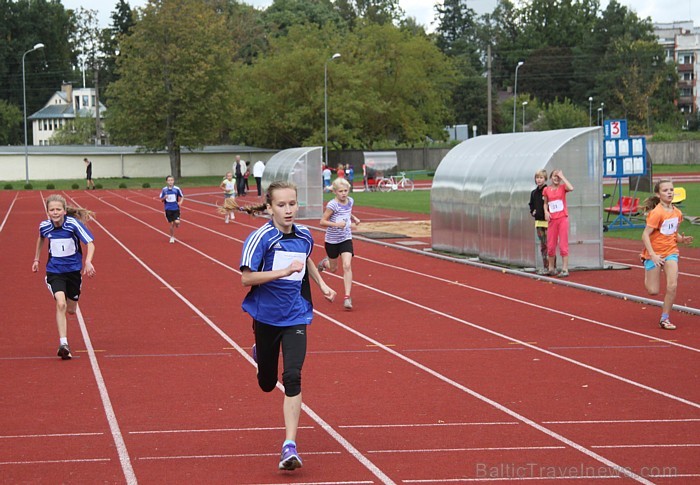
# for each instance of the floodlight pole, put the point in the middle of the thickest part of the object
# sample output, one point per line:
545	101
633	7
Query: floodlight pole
524	104
515	92
325	104
24	98
590	111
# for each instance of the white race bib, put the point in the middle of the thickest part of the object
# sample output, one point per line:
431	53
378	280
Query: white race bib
556	206
284	258
171	198
669	226
62	248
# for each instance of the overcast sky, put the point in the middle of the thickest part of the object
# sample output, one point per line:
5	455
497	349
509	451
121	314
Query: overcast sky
424	12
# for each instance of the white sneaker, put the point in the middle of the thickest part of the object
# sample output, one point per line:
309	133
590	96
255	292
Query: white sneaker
172	240
347	303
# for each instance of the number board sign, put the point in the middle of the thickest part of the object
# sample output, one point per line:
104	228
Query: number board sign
623	156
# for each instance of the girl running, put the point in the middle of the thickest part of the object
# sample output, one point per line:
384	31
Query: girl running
276	263
661	238
65	229
228	185
172	198
338	219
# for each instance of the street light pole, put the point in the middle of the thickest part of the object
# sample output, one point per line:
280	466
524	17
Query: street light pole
602	113
599	119
524	104
590	110
515	92
325	103
24	98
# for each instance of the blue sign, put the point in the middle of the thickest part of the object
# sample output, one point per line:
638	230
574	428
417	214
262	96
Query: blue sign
623	156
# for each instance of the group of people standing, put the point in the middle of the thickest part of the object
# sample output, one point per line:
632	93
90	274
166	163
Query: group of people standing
660	236
342	171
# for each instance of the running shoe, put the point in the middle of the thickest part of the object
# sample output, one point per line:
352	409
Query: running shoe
64	352
322	265
666	324
172	240
347	303
290	459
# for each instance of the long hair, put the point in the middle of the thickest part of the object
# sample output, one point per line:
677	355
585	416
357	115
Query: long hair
654	200
229	206
262	207
80	213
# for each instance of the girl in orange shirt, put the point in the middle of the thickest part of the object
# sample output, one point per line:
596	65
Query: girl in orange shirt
661	238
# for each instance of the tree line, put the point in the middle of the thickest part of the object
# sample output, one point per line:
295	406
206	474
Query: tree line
180	74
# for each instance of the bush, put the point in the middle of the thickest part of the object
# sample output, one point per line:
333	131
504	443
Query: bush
98	186
75	186
50	186
28	186
122	185
146	185
8	186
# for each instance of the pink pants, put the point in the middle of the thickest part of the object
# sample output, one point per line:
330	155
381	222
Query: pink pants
558	231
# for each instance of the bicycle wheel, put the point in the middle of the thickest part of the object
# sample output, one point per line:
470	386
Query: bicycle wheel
407	184
384	185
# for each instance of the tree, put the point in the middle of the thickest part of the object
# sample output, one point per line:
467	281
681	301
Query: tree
10	119
175	71
284	14
560	115
122	22
379	12
80	131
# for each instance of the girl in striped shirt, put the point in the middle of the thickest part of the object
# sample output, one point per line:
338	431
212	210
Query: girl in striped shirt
339	220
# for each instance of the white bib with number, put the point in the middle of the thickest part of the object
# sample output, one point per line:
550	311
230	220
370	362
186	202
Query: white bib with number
669	226
62	248
556	206
282	261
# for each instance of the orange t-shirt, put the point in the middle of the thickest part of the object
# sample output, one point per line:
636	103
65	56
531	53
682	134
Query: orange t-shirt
665	224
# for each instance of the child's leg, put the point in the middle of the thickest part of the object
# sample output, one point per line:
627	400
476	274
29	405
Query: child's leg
671	270
293	354
563	232
332	264
71	306
542	237
552	236
651	280
346	259
61	307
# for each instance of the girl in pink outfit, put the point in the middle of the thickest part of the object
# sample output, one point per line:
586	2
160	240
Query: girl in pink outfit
557	216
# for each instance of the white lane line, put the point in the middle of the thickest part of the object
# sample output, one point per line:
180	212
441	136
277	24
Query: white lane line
429	425
215	430
45	462
651	445
127	469
50	435
8	212
230	455
625	421
342	441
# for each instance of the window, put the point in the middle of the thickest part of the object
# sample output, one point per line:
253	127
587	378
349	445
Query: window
686	92
86	100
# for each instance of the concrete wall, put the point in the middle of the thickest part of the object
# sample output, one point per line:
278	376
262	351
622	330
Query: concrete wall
55	165
675	153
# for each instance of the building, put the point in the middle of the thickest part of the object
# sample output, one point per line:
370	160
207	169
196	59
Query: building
681	42
61	110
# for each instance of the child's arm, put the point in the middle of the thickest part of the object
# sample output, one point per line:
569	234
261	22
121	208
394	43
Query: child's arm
681	238
89	269
657	260
546	208
328	292
326	220
37	253
253	278
222	185
567	185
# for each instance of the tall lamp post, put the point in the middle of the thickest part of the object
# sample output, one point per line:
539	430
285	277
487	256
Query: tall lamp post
600	116
590	110
24	97
602	113
325	103
515	92
524	104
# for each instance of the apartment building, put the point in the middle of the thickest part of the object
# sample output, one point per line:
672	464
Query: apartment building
61	109
681	42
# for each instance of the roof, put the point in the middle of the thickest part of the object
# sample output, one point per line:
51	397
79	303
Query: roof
64	111
92	150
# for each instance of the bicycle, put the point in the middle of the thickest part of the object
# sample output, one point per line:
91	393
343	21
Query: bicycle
385	184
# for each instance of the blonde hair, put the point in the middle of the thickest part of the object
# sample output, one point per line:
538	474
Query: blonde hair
542	173
262	207
83	215
229	206
340	183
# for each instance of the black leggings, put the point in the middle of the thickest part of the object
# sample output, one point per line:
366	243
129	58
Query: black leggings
268	340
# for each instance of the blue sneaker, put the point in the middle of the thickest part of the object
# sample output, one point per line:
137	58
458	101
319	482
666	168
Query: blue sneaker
290	459
255	354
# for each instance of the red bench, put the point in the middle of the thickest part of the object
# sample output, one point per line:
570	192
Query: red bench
626	205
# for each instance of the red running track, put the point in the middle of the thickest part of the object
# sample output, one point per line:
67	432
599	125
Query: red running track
442	373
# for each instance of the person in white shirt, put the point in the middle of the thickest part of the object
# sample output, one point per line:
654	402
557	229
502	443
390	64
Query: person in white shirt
258	170
239	170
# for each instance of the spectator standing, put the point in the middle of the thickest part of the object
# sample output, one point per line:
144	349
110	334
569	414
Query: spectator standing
557	216
326	179
239	171
258	170
537	211
88	174
350	174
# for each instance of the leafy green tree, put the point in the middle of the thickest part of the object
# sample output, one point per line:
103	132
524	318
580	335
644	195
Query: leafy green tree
10	119
122	22
284	14
456	33
560	115
175	75
80	131
379	12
